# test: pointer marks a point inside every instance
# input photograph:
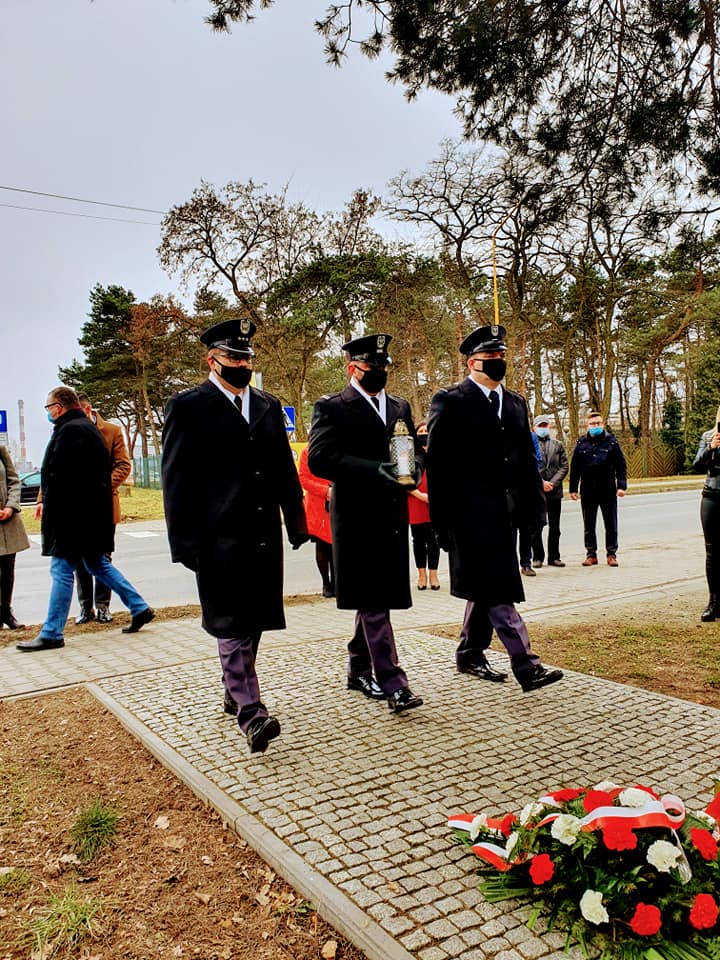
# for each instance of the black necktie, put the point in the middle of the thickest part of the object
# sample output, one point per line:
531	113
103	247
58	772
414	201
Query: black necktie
495	402
238	403
376	403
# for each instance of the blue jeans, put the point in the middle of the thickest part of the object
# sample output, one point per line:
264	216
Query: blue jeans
62	572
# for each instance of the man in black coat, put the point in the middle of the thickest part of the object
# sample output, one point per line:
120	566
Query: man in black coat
77	518
350	446
483	484
553	470
228	471
598	469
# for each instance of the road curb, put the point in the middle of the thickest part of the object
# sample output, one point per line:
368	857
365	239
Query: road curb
332	905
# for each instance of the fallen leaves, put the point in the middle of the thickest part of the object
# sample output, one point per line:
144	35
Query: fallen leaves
329	950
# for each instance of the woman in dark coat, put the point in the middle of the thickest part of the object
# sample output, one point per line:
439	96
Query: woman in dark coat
13	538
708	459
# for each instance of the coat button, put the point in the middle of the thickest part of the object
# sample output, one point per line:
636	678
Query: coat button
262	544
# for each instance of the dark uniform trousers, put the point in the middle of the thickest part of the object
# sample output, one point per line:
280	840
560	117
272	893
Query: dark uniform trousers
590	500
372	648
531	543
237	657
237	653
476	635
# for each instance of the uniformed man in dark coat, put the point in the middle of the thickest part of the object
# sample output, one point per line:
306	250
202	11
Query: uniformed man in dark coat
598	469
228	471
77	518
483	484
350	446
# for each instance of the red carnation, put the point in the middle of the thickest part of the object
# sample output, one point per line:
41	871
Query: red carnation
704	912
646	920
713	807
505	825
541	869
704	843
618	836
596	798
562	796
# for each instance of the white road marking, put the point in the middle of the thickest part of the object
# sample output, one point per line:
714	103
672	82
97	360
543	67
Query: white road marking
140	534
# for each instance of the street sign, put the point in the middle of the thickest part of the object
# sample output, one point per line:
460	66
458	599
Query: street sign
3	421
289	417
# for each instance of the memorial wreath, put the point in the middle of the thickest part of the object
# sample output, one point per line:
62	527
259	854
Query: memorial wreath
622	871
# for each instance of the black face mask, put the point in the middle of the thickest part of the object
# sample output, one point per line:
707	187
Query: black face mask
238	377
495	368
422	439
373	380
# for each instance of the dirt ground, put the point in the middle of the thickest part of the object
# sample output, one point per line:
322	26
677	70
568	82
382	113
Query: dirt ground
175	884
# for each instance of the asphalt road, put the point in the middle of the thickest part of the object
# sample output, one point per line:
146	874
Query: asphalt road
142	552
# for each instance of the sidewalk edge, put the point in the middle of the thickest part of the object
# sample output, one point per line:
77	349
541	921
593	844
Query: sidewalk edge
330	903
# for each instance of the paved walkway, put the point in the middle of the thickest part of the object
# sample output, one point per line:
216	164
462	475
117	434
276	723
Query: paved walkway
350	804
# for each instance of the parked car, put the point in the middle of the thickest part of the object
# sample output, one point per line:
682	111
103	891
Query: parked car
29	487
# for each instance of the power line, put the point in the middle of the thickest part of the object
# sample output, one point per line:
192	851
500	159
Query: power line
85	216
98	203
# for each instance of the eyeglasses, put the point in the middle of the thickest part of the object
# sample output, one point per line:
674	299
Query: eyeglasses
49	405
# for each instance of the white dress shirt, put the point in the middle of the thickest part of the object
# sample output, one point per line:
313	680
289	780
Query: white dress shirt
244	395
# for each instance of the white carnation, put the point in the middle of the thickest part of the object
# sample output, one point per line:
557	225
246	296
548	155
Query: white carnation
566	828
663	855
591	907
530	811
510	843
633	797
606	786
478	824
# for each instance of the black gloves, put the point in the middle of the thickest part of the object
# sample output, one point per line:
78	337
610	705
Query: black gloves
386	471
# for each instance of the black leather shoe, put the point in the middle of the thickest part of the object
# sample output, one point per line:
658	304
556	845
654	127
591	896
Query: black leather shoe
260	732
483	671
402	700
229	705
103	615
710	613
39	643
367	686
538	677
86	616
139	620
327	591
555	563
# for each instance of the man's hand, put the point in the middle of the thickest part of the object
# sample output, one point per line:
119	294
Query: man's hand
6	513
298	539
547	486
386	472
574	496
621	493
38	510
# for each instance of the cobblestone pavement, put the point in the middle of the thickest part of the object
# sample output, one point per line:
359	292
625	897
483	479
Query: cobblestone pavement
351	803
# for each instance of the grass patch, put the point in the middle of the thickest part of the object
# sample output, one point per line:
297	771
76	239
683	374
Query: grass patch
13	882
95	828
136	503
68	921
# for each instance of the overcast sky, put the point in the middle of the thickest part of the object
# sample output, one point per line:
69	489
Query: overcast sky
136	101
